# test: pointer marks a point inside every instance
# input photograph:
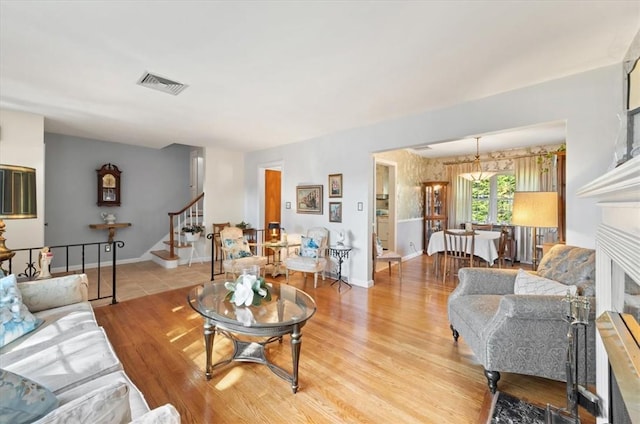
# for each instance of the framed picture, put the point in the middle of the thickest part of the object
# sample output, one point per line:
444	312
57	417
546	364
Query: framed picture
335	211
309	199
335	185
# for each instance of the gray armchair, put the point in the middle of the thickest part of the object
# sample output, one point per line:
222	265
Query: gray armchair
523	334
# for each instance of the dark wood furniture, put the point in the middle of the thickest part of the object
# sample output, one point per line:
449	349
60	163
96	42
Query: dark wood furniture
110	227
108	185
434	209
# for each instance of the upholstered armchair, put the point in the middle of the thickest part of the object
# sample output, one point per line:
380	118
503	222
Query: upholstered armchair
525	333
311	256
236	253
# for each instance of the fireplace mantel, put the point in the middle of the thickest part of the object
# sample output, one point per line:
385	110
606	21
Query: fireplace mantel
617	251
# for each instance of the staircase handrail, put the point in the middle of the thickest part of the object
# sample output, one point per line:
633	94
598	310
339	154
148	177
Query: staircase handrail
173	215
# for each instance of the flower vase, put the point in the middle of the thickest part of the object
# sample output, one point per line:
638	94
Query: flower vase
191	237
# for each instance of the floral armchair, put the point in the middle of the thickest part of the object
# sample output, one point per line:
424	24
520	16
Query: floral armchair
311	257
236	253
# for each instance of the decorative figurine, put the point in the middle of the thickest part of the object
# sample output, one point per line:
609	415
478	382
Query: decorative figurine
44	260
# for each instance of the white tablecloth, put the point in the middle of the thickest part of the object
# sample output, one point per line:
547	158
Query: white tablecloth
486	245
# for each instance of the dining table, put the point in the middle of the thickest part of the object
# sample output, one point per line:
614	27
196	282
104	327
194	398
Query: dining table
486	244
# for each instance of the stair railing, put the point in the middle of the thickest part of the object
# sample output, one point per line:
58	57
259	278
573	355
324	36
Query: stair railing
191	214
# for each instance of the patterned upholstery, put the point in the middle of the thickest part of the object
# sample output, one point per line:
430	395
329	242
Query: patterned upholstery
237	254
523	334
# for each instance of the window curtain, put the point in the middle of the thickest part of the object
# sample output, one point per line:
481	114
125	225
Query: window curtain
532	176
459	202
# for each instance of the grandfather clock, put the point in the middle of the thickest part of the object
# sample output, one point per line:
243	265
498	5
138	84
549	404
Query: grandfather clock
108	185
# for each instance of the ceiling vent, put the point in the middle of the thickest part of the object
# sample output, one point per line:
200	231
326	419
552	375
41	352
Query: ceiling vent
161	84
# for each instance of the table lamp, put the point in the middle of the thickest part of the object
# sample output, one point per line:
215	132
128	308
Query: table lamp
536	209
274	228
17	200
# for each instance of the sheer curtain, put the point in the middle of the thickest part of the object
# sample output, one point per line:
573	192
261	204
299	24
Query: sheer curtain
460	198
530	177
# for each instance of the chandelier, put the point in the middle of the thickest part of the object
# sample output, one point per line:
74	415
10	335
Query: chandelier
477	173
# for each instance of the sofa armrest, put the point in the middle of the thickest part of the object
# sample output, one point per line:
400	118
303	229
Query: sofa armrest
537	307
485	281
39	295
165	414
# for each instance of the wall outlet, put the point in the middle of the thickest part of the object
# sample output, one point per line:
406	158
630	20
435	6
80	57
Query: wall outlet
107	248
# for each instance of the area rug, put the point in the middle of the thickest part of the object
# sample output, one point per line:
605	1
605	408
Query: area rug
506	409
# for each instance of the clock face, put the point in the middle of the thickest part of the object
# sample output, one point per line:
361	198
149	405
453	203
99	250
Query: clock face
108	181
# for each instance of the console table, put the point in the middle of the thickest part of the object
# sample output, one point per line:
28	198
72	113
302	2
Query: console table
110	227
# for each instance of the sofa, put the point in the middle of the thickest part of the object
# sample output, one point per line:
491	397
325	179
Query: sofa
515	321
63	368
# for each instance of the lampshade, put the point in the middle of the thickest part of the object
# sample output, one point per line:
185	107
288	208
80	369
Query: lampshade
535	209
274	225
17	199
274	228
477	174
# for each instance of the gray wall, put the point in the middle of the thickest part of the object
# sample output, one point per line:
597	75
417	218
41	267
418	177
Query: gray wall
154	182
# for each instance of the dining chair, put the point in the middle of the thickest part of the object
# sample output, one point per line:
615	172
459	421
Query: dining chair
502	247
380	255
459	249
483	227
506	246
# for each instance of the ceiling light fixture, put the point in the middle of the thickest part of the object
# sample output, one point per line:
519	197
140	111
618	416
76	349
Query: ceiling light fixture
477	174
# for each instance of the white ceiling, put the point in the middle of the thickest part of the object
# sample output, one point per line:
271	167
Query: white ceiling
536	135
262	74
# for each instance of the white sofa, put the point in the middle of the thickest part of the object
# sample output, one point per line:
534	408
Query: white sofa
69	357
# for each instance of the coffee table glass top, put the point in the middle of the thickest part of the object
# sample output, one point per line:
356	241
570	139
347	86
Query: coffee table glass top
288	305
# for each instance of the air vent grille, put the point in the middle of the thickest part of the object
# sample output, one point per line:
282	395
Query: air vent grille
159	83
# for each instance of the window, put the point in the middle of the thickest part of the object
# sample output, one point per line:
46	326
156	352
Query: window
492	199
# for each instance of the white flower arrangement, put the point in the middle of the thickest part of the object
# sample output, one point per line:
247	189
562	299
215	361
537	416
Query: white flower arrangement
248	290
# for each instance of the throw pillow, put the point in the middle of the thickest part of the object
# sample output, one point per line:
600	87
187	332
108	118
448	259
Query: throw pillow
309	247
237	248
105	405
379	248
15	318
23	400
527	283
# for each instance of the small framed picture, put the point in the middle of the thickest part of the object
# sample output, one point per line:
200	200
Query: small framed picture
335	211
309	199
335	185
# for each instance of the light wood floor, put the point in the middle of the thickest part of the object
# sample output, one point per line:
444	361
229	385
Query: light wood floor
382	355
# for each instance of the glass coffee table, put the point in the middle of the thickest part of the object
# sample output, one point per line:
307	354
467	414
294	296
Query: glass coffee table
286	313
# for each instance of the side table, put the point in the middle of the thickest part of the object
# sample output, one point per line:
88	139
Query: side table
340	252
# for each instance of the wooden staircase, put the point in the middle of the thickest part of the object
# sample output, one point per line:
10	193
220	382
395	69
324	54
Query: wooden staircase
191	214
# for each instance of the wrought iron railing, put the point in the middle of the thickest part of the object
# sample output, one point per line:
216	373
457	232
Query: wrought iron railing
64	252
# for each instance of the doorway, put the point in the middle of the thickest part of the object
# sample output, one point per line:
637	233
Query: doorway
272	196
385	203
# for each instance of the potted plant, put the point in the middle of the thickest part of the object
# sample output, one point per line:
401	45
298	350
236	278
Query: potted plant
192	232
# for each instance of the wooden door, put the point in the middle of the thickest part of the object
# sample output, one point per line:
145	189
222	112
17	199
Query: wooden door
272	196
